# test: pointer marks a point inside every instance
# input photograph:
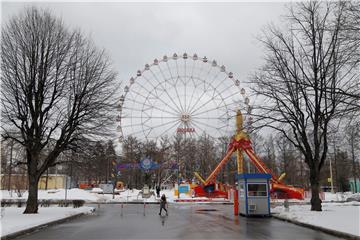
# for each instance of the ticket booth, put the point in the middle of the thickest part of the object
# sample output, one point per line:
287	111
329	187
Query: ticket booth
254	194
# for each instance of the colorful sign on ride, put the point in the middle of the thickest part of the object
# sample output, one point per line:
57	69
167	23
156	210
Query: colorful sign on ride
145	164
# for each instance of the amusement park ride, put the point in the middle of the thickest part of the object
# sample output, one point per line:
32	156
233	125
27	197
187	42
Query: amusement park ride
191	90
240	143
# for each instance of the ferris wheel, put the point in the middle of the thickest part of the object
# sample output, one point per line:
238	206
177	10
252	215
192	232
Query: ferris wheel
181	94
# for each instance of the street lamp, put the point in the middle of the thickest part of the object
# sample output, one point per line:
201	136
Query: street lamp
178	179
331	178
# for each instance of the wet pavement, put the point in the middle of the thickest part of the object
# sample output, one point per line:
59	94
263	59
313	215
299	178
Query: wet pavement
109	222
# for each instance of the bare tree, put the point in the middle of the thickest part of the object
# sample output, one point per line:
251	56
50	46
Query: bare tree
164	160
56	86
308	80
131	153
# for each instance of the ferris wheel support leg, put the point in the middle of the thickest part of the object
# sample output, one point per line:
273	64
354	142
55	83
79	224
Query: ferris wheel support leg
259	164
219	166
240	161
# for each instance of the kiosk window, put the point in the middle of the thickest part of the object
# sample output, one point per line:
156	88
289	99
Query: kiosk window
257	189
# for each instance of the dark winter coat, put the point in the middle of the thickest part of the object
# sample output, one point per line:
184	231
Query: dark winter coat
163	201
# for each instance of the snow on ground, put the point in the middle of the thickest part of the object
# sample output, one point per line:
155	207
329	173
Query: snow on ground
328	197
343	217
96	195
134	195
13	220
339	196
74	193
93	196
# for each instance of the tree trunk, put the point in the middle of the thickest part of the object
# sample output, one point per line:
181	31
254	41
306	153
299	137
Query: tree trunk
47	179
315	189
32	201
10	166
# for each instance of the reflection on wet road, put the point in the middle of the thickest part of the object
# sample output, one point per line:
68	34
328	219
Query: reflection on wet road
184	222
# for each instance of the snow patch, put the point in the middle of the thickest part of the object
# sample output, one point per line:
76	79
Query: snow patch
342	217
13	219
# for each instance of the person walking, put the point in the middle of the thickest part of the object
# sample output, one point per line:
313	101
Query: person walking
157	191
163	204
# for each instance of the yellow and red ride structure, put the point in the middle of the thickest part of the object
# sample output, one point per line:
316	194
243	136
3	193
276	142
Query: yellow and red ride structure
241	144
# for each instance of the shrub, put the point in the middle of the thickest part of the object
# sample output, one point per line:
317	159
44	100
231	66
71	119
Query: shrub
45	203
19	203
78	203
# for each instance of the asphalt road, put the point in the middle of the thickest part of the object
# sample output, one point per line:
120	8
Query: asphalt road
183	222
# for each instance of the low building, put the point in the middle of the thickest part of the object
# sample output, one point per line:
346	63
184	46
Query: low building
20	181
17	181
54	181
355	188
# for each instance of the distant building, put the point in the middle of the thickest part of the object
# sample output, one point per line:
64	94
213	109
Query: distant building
352	185
20	181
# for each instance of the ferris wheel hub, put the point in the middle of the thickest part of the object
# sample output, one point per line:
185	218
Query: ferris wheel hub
185	117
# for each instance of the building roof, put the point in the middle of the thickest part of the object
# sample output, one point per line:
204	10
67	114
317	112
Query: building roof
252	176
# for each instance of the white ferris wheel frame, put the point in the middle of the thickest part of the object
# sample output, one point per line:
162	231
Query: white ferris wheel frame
186	120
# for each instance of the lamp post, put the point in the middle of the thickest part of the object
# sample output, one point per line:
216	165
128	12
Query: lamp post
331	175
66	186
178	179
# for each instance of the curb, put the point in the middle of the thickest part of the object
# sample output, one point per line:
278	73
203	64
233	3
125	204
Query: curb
41	226
322	229
122	202
175	202
200	201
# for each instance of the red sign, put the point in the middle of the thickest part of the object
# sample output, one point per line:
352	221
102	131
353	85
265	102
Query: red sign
184	130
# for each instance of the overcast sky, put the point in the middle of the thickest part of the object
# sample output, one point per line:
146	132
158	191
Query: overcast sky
136	33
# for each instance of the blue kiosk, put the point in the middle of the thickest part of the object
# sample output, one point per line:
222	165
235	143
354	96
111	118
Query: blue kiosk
254	194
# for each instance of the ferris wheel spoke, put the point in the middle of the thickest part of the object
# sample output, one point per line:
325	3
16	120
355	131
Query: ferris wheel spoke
162	124
203	94
205	124
197	126
194	88
168	67
195	85
207	111
206	118
198	100
156	117
156	96
131	125
192	70
231	95
178	96
196	113
192	94
221	83
150	82
167	64
207	76
167	93
153	127
150	129
177	123
151	106
212	98
208	125
185	80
